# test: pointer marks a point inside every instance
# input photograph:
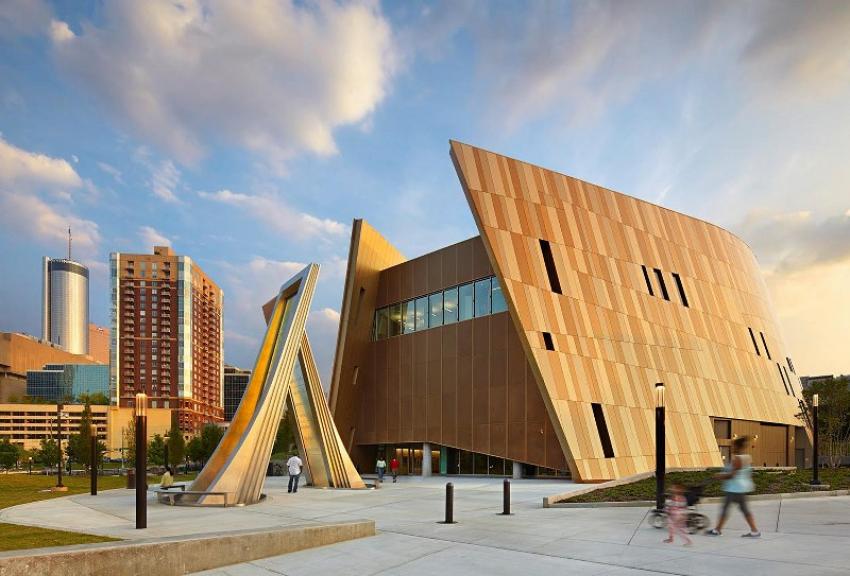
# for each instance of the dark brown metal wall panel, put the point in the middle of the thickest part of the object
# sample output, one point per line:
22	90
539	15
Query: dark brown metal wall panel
435	271
450	266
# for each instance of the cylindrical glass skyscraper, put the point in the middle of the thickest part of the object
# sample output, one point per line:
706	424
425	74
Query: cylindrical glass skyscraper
65	304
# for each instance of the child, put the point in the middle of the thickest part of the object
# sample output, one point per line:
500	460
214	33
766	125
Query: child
677	513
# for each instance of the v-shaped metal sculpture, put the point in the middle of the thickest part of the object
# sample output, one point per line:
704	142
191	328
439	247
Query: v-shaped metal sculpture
285	371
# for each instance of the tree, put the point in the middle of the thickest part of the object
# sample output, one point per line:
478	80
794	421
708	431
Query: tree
95	398
130	441
195	449
156	450
48	453
210	437
284	442
9	453
79	444
176	446
833	417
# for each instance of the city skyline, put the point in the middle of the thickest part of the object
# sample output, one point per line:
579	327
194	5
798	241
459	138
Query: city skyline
735	118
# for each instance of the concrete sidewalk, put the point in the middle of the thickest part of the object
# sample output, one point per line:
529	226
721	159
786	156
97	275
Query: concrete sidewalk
808	537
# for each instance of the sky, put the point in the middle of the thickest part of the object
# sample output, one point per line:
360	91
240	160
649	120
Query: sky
248	136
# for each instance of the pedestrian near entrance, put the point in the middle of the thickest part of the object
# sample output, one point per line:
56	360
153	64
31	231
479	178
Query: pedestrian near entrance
294	464
381	467
394	469
738	482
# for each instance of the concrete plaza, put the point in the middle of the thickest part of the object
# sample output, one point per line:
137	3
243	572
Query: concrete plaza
800	536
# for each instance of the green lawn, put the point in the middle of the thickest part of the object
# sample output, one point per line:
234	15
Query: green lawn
22	488
766	481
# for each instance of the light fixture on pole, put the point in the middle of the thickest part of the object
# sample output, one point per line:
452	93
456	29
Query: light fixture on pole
815	451
660	447
93	458
59	486
141	460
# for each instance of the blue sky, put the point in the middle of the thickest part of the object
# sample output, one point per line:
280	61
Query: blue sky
248	135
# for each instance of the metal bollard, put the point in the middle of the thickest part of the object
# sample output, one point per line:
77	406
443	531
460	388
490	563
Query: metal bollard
506	498
450	504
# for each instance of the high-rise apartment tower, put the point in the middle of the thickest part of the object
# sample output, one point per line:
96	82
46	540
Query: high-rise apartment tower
167	335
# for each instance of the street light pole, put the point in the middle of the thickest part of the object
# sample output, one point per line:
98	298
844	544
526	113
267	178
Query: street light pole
59	486
166	449
815	451
30	472
141	461
93	458
660	447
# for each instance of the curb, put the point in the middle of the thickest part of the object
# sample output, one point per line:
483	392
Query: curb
183	555
711	500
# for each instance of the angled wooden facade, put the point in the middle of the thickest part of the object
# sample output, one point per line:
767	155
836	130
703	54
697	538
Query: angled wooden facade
606	296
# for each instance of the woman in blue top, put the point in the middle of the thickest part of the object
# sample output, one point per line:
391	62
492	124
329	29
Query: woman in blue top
738	482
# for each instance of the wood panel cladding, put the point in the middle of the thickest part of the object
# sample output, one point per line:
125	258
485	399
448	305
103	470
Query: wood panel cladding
612	339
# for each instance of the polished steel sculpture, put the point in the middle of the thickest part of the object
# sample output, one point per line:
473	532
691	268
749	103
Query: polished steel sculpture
284	374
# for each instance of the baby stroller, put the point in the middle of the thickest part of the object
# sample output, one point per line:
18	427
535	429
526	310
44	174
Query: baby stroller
695	520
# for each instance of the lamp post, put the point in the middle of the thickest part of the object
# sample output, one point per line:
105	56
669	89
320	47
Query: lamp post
30	459
166	449
141	461
660	447
59	486
93	458
815	454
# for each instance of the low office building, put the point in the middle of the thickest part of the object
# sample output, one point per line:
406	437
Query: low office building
68	382
27	424
535	348
20	353
99	343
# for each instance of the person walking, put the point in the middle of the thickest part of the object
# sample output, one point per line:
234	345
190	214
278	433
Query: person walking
677	514
381	466
294	464
738	482
394	469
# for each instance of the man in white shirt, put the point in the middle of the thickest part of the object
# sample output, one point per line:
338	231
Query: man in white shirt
294	464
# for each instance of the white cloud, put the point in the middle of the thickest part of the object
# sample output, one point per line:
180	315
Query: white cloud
272	77
112	171
791	242
32	217
23	18
24	170
279	216
152	237
60	32
164	180
27	176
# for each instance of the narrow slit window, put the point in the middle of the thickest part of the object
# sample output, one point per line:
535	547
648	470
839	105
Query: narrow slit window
549	262
602	429
648	282
790	364
548	342
753	338
660	277
790	385
764	343
681	288
781	377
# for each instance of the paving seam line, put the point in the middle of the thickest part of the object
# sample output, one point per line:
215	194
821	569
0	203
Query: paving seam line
692	551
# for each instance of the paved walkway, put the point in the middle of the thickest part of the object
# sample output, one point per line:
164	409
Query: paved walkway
803	536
